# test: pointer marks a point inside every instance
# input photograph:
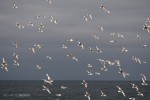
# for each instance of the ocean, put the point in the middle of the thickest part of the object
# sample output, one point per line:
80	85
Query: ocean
33	90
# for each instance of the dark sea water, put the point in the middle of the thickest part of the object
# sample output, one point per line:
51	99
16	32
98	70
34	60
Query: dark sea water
32	90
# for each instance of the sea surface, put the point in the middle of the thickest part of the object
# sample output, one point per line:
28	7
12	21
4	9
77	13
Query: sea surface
33	90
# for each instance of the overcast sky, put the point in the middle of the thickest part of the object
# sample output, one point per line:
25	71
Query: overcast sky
126	17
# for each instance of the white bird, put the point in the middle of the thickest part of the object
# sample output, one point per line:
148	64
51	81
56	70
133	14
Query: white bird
131	98
38	46
16	56
80	44
58	95
4	64
73	57
124	50
46	89
146	27
16	63
14	6
112	41
49	1
120	91
117	62
135	87
101	27
139	36
98	50
84	83
19	25
91	50
89	65
144	45
89	72
148	19
41	29
48	57
124	74
64	46
95	37
103	94
143	79
140	94
30	23
63	87
97	73
49	80
87	95
87	17
104	9
32	49
38	66
70	40
16	45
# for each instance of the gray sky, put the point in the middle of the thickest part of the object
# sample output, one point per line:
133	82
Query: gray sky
126	18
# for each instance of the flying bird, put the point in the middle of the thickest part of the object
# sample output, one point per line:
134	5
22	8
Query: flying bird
121	91
46	89
4	64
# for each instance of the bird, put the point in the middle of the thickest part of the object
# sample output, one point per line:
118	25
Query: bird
84	83
97	73
98	50
64	46
19	25
14	6
80	44
32	49
16	56
15	63
87	95
112	41
144	45
103	94
140	94
70	40
49	80
124	74
91	50
135	86
15	44
89	65
101	27
131	98
95	37
63	87
120	91
89	72
143	79
104	9
53	20
30	23
58	95
48	57
117	62
4	64
124	50
73	57
38	66
46	89
49	1
136	59
87	17
139	36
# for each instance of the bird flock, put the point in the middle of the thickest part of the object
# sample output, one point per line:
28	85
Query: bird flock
105	64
